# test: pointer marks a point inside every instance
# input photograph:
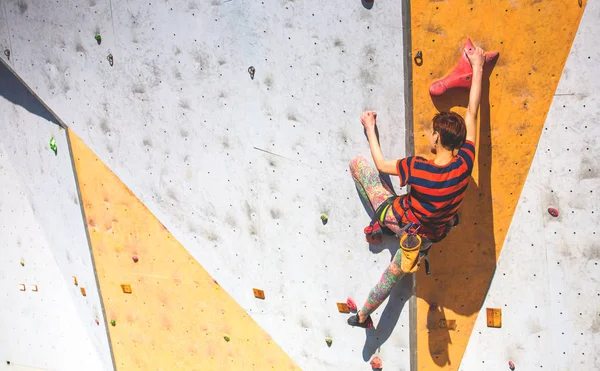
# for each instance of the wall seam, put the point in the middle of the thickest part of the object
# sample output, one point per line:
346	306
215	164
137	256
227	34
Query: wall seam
409	151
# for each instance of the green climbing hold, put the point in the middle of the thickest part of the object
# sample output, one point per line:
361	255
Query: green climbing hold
324	218
53	145
226	337
329	341
113	322
98	38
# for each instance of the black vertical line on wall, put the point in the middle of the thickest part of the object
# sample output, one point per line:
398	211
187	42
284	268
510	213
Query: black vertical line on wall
410	151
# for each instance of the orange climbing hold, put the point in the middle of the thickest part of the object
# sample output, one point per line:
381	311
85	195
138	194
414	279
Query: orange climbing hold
494	317
343	308
126	288
461	76
259	294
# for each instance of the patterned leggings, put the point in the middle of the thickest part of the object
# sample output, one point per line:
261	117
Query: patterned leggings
374	192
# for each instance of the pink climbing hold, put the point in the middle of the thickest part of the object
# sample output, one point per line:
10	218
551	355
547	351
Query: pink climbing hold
135	258
461	75
351	305
511	365
552	211
377	363
97	322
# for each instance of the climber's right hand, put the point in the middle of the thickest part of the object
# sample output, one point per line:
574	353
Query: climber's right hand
476	57
368	119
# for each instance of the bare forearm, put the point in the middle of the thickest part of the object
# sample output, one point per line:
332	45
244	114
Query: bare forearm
474	101
375	148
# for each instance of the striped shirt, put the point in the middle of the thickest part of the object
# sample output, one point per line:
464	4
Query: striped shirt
436	191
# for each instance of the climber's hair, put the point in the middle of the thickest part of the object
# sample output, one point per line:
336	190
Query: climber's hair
451	128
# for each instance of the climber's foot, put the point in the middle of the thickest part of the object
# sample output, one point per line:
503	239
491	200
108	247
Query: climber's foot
355	321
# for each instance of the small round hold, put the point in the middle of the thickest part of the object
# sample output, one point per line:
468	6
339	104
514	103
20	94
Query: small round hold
511	365
251	71
7	53
324	218
135	258
552	211
113	322
227	338
97	322
376	363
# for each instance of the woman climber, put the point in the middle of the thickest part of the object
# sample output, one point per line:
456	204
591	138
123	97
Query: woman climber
438	186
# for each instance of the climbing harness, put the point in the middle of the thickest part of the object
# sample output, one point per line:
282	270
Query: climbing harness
411	241
375	230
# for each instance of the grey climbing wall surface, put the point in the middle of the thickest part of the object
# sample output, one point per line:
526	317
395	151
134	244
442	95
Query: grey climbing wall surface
240	169
547	281
46	229
41	329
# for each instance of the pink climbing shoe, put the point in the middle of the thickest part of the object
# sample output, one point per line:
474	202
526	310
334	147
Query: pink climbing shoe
461	76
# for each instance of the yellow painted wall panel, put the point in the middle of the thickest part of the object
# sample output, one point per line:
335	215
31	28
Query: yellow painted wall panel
176	316
534	39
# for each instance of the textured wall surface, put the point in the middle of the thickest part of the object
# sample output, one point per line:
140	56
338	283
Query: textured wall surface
48	186
547	281
175	315
240	169
41	330
517	92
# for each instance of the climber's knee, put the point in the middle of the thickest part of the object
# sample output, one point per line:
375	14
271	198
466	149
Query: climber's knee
355	165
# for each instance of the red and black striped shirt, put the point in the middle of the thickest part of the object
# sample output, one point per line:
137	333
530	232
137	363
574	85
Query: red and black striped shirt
436	191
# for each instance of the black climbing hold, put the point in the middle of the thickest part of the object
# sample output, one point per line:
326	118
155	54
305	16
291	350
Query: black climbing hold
419	58
110	59
251	71
7	53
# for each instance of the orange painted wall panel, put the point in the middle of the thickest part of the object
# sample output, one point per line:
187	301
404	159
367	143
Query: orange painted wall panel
177	315
534	39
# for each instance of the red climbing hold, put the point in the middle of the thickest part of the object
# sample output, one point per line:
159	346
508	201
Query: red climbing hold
511	365
377	363
461	76
351	305
134	258
552	211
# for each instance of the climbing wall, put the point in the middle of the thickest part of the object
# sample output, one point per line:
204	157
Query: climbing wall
238	168
38	318
546	281
49	187
518	90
